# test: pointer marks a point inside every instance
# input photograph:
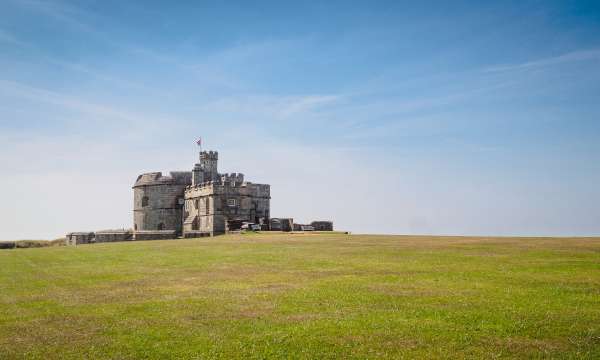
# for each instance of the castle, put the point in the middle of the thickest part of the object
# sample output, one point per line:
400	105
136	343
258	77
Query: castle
196	203
202	202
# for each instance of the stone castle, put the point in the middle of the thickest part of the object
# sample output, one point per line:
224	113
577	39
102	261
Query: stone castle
201	202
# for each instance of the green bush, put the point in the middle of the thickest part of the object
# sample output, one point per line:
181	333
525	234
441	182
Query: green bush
25	244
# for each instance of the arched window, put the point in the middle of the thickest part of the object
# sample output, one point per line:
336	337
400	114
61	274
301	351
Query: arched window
160	226
144	201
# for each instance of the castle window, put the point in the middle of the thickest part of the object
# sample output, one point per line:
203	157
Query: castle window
144	201
231	202
160	226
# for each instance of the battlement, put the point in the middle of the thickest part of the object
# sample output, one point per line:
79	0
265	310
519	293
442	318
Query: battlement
207	185
218	187
209	155
233	178
203	185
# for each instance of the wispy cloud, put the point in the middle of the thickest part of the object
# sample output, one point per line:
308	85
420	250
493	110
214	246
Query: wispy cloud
100	75
207	76
368	117
303	104
59	11
36	94
6	37
268	108
575	56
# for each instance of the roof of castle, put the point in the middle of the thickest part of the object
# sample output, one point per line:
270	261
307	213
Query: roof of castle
157	178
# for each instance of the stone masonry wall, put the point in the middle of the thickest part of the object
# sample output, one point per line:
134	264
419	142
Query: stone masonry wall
158	201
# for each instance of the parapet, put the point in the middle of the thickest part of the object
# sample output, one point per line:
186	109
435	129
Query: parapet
209	155
233	178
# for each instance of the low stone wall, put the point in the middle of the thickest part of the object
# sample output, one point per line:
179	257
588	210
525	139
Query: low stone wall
195	234
80	237
114	235
322	225
155	235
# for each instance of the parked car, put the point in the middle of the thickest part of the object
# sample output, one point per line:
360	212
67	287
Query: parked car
251	226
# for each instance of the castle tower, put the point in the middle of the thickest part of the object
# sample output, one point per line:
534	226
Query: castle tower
197	175
158	201
208	164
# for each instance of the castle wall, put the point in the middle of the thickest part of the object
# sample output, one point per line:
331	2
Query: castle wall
76	238
210	207
322	225
158	201
155	235
113	235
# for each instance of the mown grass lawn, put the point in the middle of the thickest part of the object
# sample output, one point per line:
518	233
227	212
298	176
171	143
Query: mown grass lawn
304	296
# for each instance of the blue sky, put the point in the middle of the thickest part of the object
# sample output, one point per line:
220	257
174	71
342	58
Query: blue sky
387	117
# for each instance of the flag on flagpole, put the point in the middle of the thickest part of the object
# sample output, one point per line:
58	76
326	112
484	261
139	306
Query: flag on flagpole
199	142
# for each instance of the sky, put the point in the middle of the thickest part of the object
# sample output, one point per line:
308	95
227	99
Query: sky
391	117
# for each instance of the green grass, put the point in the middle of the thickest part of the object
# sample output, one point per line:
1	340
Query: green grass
304	296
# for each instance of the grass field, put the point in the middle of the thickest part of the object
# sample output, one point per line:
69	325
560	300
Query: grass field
304	296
